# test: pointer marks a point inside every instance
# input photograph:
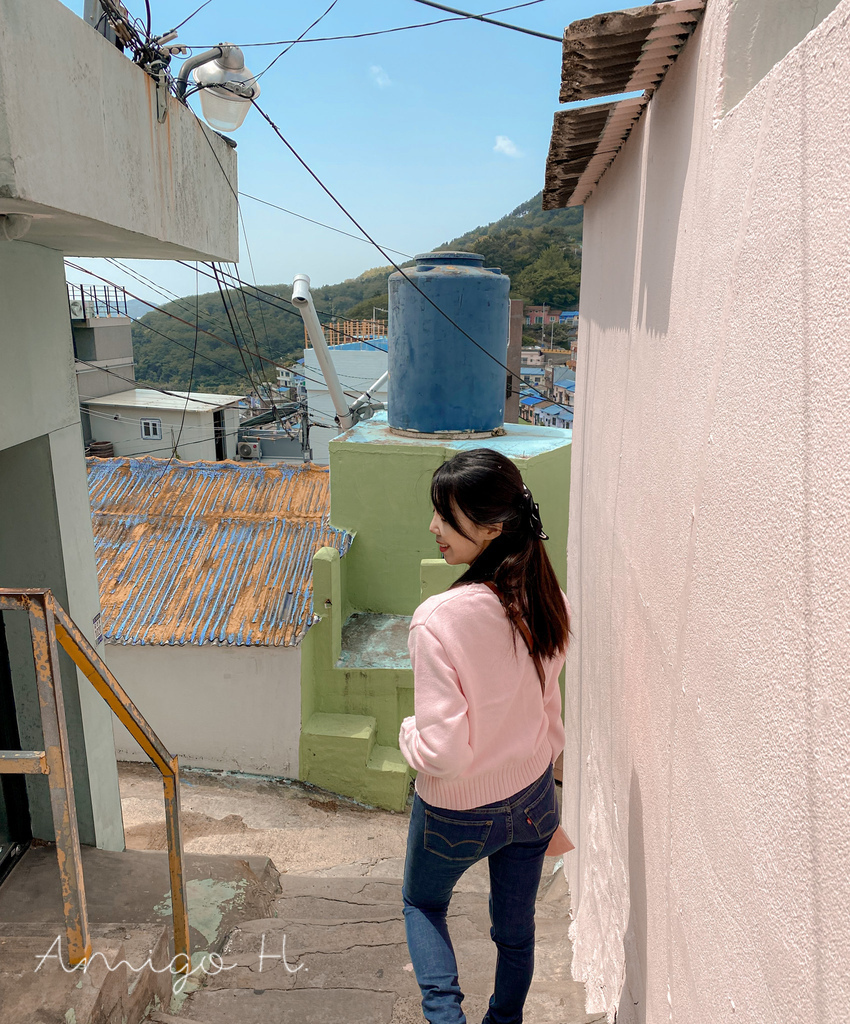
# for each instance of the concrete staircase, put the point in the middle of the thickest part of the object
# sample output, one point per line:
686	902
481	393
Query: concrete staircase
128	973
339	753
39	990
347	958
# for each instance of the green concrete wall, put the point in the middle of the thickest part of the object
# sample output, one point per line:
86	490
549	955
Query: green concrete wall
436	576
380	491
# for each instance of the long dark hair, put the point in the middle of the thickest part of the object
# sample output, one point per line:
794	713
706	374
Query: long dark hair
488	489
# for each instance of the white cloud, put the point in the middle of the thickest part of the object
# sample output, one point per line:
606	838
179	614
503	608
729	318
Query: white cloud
379	76
506	146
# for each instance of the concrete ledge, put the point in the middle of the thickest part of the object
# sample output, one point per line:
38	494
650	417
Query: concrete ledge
82	151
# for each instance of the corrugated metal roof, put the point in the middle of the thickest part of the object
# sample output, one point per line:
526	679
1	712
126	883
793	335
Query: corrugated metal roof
557	410
213	552
531	400
616	52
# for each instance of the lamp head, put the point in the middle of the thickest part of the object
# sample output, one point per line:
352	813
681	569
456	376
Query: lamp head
226	89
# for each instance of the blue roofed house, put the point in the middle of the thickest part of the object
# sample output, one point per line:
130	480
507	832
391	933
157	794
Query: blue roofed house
564	386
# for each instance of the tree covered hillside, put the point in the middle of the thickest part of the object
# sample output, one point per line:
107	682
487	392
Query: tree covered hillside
540	251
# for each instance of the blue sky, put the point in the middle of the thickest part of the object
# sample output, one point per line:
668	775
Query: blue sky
422	134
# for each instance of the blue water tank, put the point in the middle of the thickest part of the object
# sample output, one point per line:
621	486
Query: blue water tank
439	379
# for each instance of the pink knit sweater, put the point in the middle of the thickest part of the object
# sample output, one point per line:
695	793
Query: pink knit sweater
482	729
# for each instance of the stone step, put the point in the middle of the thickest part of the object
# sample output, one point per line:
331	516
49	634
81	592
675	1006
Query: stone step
38	988
387	782
337	951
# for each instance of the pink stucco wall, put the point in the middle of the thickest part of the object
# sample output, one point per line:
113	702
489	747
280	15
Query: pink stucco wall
707	771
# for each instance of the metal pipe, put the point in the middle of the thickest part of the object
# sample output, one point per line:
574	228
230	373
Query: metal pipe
190	64
367	395
303	302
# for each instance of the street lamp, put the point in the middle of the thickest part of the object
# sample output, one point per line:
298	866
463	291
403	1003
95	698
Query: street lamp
225	85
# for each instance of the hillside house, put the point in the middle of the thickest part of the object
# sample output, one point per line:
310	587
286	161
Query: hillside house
141	421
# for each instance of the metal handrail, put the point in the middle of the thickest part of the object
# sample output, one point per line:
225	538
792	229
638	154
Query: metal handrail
50	623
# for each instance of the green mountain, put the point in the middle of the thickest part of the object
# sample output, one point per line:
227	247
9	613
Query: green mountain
540	251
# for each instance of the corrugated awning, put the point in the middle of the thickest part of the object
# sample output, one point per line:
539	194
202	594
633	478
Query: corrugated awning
612	53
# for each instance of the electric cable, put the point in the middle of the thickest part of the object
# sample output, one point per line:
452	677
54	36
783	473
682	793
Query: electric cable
158	481
389	259
320	224
142	384
173	316
298	40
280	298
174	299
233	331
382	31
490	21
353	394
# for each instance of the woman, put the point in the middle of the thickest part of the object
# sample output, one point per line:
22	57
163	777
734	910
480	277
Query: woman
486	657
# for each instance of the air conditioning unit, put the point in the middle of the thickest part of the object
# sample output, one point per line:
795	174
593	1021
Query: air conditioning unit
76	309
249	450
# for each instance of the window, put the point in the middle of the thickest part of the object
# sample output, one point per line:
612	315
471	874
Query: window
538	319
151	429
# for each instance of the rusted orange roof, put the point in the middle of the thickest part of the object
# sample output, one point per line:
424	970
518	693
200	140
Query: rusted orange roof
208	552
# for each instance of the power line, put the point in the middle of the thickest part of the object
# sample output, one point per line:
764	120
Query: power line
149	387
310	220
360	228
186	403
159	309
490	21
180	319
385	31
233	330
294	41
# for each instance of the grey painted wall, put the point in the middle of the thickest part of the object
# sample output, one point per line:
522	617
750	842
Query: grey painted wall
45	526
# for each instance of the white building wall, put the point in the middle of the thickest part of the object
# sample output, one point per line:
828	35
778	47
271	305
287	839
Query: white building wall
357	371
707	768
121	425
226	708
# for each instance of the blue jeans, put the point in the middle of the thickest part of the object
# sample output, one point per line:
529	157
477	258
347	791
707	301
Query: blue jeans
441	844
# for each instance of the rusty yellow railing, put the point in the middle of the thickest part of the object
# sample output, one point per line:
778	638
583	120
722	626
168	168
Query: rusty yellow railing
49	623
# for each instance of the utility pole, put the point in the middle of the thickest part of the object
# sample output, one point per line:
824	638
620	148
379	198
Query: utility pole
306	450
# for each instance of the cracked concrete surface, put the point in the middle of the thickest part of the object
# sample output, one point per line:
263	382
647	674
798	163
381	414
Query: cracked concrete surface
334	947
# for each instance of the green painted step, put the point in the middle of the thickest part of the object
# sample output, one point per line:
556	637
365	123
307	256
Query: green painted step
338	753
387	778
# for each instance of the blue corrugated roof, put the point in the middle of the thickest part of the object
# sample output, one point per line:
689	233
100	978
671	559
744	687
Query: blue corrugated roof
557	410
561	374
208	552
531	400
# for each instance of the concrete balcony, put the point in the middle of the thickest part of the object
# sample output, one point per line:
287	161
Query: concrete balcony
84	155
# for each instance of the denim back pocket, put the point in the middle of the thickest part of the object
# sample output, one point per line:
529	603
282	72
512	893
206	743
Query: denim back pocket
543	812
454	838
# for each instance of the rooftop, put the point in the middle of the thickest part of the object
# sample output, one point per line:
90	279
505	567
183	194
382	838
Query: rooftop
147	398
208	552
518	440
